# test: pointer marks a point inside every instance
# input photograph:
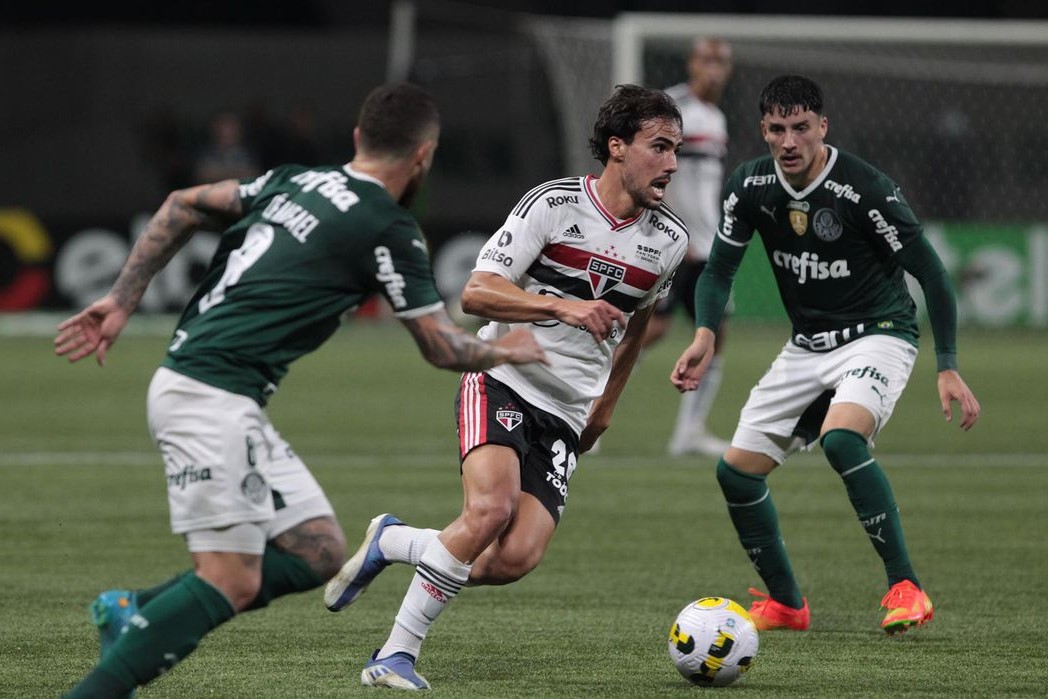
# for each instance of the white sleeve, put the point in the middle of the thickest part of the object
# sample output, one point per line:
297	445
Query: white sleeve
518	243
662	289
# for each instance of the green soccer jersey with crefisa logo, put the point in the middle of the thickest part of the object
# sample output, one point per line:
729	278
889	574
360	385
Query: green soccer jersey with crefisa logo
830	246
313	244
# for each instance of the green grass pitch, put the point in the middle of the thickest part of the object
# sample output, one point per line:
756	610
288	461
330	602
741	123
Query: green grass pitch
82	508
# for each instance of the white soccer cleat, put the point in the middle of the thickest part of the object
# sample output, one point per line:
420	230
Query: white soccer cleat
358	572
396	671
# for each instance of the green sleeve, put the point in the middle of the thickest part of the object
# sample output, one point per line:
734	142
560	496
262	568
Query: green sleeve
714	286
920	259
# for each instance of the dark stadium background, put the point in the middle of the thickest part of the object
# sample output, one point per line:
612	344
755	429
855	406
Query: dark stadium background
101	99
320	13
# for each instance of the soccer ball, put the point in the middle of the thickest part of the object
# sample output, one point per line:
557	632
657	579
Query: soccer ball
713	641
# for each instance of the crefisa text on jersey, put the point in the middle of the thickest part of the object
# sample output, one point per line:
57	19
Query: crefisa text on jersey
890	232
388	275
843	190
329	184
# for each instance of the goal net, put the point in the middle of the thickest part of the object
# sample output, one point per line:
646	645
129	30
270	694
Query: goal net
948	108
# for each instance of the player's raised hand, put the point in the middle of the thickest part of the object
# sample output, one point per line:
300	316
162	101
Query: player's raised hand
91	331
953	388
598	318
522	346
693	361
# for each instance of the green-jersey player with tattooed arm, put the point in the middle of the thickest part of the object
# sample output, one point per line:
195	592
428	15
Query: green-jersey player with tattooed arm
839	234
301	247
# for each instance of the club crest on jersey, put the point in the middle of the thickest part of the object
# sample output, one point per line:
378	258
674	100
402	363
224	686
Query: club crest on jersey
604	275
799	216
826	225
509	418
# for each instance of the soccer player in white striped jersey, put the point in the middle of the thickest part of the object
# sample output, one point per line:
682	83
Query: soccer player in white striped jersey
582	262
696	197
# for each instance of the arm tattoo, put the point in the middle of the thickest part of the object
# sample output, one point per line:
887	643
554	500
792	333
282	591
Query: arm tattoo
444	344
182	214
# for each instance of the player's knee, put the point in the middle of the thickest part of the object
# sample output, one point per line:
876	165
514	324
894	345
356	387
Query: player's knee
239	587
486	518
521	562
844	449
738	486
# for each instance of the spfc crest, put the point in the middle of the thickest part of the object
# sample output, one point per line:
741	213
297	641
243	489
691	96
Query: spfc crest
509	418
604	275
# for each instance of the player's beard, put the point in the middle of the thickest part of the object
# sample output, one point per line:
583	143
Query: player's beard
643	196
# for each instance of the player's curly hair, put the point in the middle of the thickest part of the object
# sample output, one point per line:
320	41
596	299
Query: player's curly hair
624	114
396	118
787	94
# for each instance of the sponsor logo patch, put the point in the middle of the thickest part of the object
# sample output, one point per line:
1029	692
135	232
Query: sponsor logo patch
843	191
434	592
799	216
573	231
648	254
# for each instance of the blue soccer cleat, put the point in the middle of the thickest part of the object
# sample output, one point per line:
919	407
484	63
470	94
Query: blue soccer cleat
111	612
358	572
396	671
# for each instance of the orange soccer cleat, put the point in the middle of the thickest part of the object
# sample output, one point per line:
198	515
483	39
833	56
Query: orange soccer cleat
907	605
768	614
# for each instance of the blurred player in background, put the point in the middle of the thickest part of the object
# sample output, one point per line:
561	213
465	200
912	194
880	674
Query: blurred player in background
582	261
301	247
695	196
839	234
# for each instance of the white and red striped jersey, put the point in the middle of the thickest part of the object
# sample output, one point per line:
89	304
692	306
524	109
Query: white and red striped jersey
561	240
695	192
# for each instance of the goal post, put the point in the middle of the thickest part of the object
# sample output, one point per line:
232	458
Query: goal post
632	31
949	108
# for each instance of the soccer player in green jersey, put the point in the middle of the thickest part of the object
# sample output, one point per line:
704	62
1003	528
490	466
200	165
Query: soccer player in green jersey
301	247
839	234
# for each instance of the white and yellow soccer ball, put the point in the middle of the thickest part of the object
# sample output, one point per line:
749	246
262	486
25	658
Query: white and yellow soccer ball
713	642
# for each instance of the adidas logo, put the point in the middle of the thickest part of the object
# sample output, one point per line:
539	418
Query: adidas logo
573	232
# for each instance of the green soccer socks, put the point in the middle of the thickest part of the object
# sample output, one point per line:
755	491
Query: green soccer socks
757	523
157	638
871	496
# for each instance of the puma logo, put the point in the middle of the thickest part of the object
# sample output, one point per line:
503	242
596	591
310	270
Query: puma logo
770	212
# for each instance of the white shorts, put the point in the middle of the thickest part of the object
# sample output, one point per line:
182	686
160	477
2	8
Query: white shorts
226	466
871	371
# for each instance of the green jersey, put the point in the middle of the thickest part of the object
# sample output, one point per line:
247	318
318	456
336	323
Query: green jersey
833	247
313	243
